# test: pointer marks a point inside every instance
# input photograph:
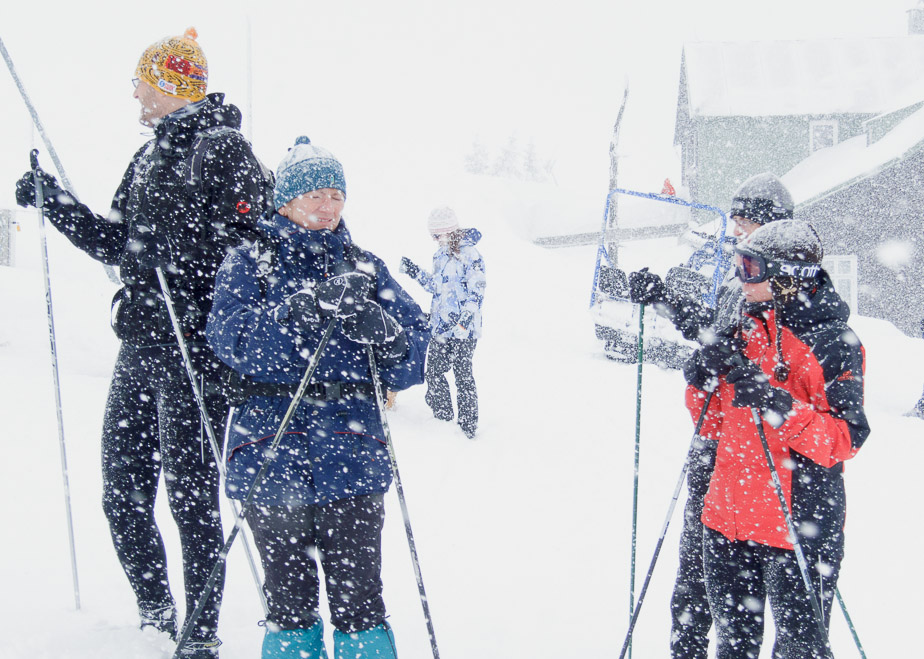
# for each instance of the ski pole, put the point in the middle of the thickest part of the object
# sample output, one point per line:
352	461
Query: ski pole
638	431
207	422
48	145
271	453
39	203
853	630
400	489
791	527
667	520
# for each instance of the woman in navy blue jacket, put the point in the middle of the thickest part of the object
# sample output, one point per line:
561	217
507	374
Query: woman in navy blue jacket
323	491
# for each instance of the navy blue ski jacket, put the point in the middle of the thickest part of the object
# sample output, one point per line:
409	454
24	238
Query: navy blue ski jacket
333	448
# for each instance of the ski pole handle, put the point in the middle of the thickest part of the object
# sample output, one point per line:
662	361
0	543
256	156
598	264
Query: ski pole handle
37	179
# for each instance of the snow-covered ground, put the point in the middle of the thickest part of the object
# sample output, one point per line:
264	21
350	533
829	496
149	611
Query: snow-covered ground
523	534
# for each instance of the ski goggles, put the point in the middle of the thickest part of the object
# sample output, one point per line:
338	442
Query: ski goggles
753	268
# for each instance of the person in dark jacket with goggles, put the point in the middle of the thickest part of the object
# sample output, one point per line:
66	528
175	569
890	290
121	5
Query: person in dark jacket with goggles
796	362
760	200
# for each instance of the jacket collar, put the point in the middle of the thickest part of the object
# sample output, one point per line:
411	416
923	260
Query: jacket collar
822	305
177	131
282	229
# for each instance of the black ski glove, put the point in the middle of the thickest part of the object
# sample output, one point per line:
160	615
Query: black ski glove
151	245
709	362
51	191
646	288
409	267
303	311
370	324
344	295
753	389
391	353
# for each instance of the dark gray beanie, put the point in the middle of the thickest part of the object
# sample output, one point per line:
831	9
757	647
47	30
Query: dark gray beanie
787	240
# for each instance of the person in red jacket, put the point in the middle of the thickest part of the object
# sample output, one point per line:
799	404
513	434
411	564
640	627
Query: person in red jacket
797	363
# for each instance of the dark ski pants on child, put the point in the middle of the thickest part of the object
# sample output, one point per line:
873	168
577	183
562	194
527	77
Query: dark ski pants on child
690	615
456	354
347	537
741	575
152	426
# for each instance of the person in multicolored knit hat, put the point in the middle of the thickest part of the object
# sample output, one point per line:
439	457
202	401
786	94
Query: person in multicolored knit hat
160	219
171	73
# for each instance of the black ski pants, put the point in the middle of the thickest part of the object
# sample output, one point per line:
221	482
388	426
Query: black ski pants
741	575
442	355
347	536
690	615
152	426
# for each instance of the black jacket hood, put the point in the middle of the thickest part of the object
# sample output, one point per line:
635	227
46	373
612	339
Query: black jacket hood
177	131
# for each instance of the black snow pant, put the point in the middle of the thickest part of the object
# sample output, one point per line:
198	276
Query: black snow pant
152	425
347	535
690	616
442	355
741	575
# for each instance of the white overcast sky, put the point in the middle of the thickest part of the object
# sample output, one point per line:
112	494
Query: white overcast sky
400	89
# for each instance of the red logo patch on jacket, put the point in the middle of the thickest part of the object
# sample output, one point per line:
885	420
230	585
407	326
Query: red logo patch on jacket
243	207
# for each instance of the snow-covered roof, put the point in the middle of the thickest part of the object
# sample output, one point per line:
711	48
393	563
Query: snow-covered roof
828	170
818	76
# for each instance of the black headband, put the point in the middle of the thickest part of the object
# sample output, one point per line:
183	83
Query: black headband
758	210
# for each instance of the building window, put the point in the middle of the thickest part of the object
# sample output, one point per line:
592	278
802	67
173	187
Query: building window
843	271
822	134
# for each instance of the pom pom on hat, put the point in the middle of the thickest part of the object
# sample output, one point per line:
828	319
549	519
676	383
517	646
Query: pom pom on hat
442	220
176	66
307	167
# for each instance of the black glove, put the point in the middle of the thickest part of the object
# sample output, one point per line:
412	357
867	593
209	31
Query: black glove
344	295
717	357
391	353
303	309
25	188
709	362
151	246
753	389
409	267
371	324
646	288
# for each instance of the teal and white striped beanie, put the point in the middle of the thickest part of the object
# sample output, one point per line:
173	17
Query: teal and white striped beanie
305	168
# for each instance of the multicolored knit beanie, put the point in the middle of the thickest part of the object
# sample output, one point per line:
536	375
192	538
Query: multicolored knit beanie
176	66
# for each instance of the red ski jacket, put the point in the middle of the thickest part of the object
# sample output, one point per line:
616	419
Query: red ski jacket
827	426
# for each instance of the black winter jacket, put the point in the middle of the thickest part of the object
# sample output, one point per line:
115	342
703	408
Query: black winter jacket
200	224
